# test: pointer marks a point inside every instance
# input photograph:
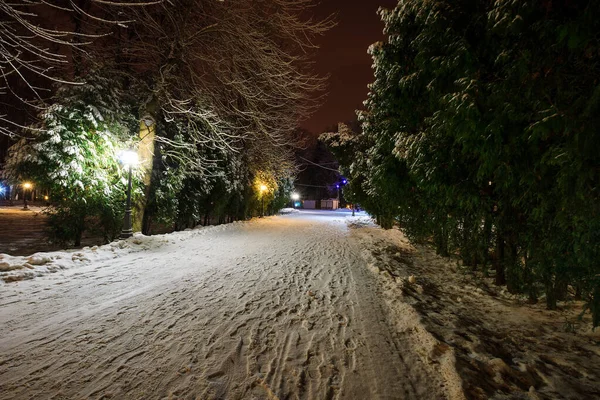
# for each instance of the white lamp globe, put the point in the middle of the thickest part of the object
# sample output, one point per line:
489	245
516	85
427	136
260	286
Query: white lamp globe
128	157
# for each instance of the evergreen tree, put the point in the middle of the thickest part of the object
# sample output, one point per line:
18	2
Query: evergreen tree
480	132
74	155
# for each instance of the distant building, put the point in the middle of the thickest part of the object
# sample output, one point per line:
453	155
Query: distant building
309	204
330	204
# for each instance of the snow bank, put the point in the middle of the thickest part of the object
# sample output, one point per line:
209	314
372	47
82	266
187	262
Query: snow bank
361	221
487	343
18	268
388	254
288	211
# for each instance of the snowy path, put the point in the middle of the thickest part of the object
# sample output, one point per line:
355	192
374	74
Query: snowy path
279	308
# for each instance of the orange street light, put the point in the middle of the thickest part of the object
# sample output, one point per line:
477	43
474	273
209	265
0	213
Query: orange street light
26	186
263	189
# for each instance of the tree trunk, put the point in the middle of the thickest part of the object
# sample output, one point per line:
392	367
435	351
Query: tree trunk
484	249
441	241
147	135
529	281
150	199
513	275
466	248
79	229
550	295
499	262
578	295
595	306
561	286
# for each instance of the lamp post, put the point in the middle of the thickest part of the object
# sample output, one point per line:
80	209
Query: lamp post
263	189
26	186
129	158
295	198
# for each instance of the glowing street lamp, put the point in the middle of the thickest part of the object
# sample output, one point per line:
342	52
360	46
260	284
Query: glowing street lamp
26	187
263	189
295	198
128	158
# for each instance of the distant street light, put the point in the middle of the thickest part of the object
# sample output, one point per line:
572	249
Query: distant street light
26	186
128	158
295	198
263	189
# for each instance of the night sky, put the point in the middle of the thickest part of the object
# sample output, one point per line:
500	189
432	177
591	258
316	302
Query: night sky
343	56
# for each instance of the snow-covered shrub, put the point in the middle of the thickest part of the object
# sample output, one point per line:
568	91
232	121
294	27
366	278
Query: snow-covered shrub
73	154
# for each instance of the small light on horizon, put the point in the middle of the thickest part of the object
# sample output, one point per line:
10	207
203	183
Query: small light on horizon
27	185
295	196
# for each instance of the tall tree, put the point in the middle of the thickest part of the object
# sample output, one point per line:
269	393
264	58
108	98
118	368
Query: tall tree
480	133
217	91
235	73
39	42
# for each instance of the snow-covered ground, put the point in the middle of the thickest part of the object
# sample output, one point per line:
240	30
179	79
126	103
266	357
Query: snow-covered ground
279	307
500	346
307	305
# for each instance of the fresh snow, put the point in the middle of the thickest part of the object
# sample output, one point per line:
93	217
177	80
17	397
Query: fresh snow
498	345
18	268
288	211
277	307
307	305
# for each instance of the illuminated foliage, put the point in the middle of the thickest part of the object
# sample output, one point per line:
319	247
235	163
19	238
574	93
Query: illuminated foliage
73	154
224	84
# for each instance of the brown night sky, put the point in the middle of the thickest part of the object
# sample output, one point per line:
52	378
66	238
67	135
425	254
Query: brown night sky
343	56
